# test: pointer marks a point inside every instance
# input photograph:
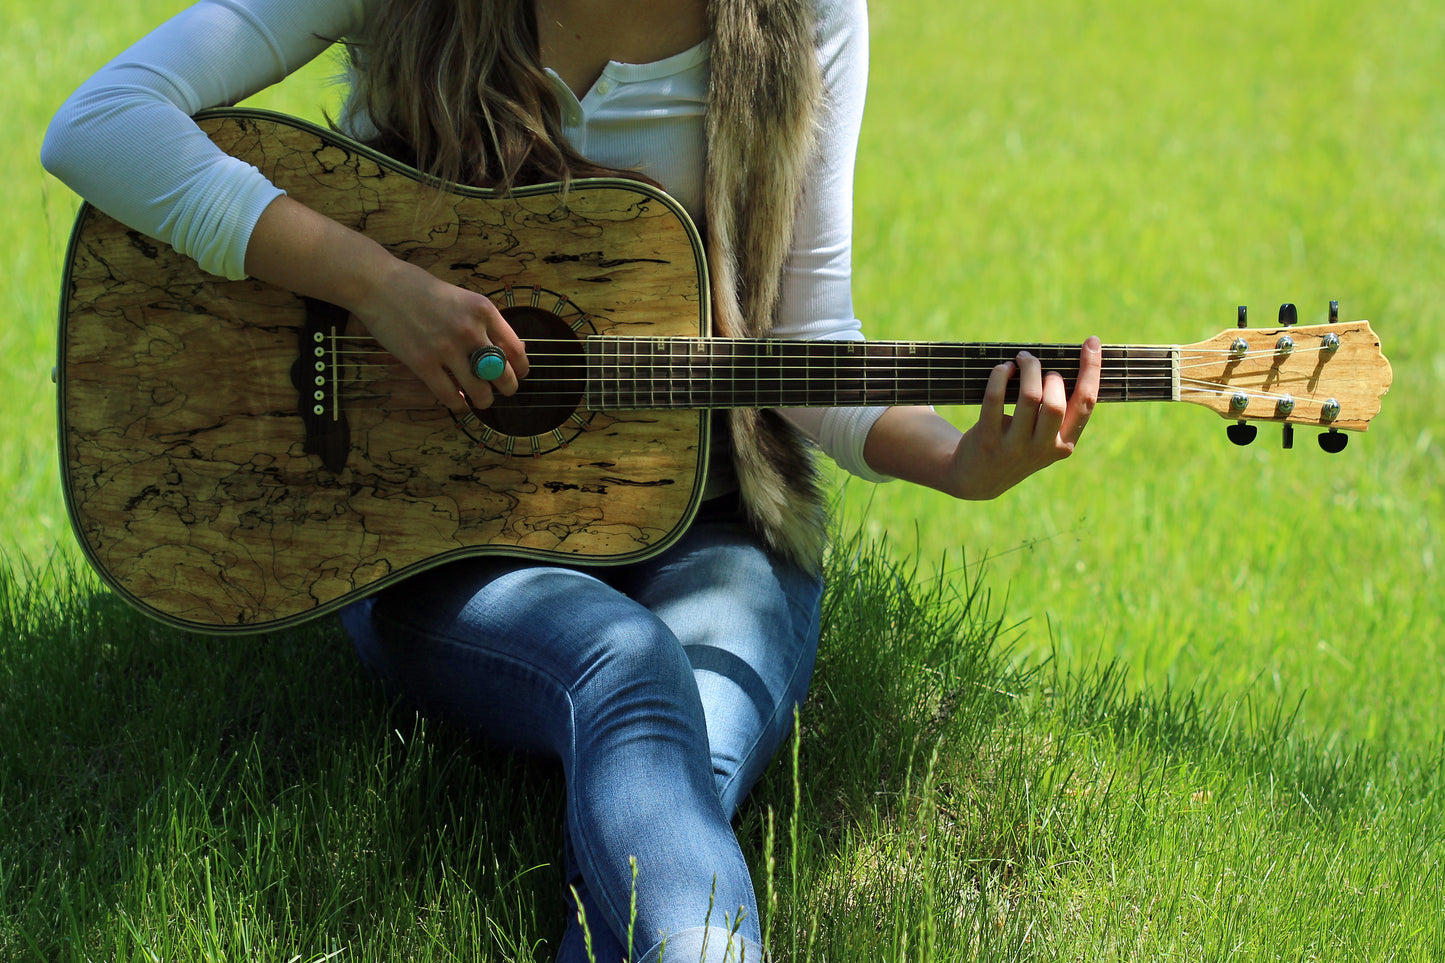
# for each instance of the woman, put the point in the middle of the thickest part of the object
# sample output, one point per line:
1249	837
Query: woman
665	686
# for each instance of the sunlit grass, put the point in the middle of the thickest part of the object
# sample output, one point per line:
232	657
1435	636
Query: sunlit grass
1045	171
1169	700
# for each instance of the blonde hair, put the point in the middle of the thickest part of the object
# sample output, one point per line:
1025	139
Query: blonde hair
455	88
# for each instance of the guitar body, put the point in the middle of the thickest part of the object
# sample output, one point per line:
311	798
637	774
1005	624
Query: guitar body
222	480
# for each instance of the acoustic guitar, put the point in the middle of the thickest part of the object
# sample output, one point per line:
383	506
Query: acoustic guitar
236	458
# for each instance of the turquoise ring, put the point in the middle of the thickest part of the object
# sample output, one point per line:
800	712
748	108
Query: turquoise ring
488	363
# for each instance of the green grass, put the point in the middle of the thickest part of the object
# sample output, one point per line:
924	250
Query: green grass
1049	170
1168	700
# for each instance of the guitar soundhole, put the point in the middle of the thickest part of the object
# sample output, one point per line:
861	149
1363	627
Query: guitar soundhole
544	414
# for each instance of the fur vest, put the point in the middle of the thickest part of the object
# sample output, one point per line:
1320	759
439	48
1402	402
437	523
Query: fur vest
763	101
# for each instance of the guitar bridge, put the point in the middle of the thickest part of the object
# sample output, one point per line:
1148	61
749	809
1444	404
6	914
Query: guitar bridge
316	377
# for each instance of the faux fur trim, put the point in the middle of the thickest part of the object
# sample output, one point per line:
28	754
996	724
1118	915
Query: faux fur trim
764	98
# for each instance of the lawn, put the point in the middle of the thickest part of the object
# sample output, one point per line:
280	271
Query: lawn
1171	699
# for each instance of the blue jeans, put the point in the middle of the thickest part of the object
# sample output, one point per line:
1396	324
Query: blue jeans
663	687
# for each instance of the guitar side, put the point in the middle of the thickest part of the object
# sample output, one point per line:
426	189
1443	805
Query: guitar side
182	437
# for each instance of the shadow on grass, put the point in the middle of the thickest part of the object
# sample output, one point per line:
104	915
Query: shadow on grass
181	796
173	796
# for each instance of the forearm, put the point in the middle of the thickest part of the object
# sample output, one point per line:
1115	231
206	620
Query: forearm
913	444
429	325
301	250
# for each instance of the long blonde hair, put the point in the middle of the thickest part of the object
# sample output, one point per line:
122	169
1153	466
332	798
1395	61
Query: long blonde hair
455	89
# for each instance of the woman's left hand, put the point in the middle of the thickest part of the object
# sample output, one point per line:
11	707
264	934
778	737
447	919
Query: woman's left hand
1001	449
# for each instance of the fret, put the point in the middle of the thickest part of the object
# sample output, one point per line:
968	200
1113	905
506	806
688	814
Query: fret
700	374
629	380
981	360
647	373
619	375
820	362
734	393
867	366
794	371
678	395
716	384
629	374
776	364
780	358
930	376
612	376
1137	374
834	375
881	378
619	378
964	369
943	371
769	372
913	386
639	376
849	388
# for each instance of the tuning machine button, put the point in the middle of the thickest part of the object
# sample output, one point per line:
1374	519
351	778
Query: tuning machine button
1241	433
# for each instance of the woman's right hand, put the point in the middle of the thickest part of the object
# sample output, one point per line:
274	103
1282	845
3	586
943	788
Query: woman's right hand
433	327
430	326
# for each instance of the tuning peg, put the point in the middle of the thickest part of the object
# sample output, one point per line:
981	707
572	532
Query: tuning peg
1334	312
1243	316
1334	441
1288	314
1288	437
1241	433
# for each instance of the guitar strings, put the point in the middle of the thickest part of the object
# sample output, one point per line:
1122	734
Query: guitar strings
634	398
909	365
1000	351
914	372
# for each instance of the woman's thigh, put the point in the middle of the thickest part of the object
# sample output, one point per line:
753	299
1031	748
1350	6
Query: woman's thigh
748	622
511	650
500	646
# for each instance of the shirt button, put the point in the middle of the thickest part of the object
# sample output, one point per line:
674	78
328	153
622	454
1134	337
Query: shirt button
604	86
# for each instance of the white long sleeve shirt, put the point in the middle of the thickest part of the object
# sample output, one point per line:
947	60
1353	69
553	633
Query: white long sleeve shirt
125	141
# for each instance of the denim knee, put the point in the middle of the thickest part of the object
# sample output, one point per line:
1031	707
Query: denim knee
705	944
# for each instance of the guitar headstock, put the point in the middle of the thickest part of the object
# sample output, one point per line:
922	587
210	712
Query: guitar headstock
1328	376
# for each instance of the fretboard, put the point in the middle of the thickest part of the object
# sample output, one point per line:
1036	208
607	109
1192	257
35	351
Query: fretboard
744	373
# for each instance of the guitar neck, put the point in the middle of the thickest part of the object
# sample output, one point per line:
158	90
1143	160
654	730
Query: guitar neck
650	373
